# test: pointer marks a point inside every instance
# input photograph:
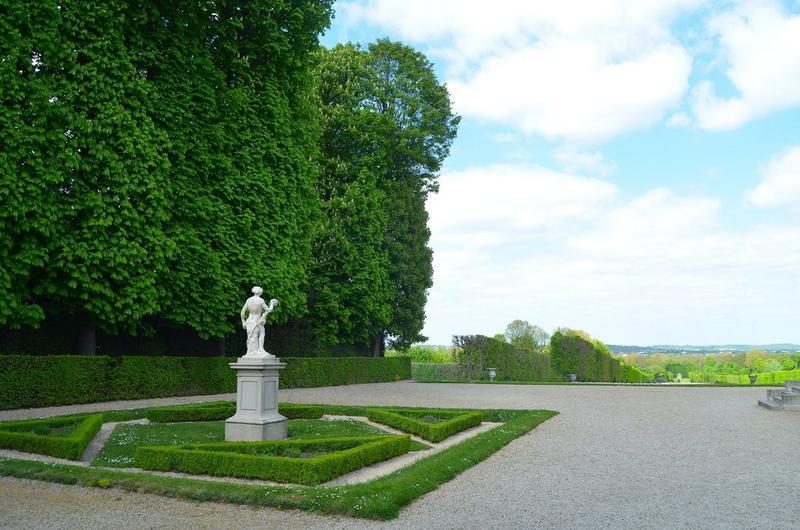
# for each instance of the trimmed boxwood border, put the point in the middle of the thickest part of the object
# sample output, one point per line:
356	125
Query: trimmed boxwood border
243	460
22	436
433	432
379	499
221	410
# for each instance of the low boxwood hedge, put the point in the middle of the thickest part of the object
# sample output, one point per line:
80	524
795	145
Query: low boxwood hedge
35	436
42	381
411	420
221	410
258	459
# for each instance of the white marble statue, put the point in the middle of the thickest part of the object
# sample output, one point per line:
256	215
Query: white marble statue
254	325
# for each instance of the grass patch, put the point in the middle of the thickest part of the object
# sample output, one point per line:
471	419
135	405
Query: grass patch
380	499
120	447
119	450
330	428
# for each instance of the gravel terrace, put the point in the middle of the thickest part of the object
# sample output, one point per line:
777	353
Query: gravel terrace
616	457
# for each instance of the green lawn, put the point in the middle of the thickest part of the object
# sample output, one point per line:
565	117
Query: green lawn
120	447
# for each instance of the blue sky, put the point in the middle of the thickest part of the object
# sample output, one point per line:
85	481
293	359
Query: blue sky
630	168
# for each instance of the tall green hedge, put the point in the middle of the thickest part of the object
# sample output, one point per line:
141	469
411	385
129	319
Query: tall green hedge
477	353
29	381
590	360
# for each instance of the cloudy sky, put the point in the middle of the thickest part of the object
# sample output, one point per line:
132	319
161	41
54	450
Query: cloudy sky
630	168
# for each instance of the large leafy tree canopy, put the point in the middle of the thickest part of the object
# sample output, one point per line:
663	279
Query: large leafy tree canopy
387	128
156	158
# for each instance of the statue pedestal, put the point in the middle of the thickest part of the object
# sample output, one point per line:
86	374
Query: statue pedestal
257	416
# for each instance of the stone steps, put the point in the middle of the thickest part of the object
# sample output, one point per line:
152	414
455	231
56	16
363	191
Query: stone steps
786	398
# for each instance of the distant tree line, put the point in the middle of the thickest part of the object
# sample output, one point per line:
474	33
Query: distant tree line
157	159
526	352
707	367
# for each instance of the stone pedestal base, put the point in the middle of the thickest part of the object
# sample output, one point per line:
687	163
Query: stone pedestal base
257	416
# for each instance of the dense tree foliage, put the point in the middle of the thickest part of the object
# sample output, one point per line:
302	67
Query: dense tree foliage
525	336
387	127
156	159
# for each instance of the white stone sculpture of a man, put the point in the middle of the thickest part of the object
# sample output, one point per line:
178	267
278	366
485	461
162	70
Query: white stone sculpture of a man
254	325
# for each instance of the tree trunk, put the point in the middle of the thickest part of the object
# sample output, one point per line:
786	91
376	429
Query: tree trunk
87	340
378	345
221	347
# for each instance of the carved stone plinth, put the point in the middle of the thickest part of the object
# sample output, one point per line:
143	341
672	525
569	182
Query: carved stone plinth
257	416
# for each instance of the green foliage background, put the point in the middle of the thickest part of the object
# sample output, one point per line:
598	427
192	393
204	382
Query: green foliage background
159	158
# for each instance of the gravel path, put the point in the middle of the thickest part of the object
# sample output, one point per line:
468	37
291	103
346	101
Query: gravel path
21	414
616	457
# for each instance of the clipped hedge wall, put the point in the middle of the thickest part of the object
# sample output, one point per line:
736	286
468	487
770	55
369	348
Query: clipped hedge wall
28	435
590	360
438	372
481	353
409	420
41	381
248	459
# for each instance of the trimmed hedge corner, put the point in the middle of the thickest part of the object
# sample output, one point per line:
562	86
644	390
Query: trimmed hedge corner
35	436
267	460
411	420
33	381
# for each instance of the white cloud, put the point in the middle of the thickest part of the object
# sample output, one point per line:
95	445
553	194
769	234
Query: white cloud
559	249
492	205
761	43
780	181
573	160
575	70
565	89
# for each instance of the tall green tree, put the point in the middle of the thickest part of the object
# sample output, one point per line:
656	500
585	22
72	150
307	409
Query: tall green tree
158	159
526	337
387	114
235	91
33	151
107	170
350	294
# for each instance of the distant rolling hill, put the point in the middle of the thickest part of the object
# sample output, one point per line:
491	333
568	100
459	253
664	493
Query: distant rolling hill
712	348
